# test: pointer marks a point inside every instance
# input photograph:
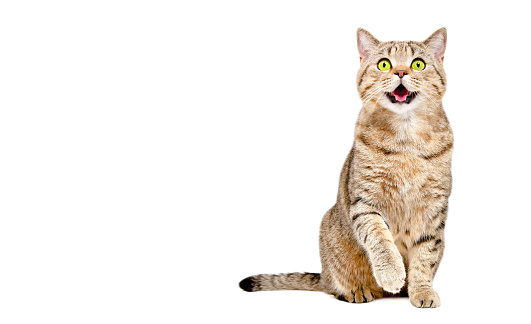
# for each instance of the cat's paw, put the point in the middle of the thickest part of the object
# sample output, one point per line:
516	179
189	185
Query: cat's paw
391	279
391	275
360	295
426	298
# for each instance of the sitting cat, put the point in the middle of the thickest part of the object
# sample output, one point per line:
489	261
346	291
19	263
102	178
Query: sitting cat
385	234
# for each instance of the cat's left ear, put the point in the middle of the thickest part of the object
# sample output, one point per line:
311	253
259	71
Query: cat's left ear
437	43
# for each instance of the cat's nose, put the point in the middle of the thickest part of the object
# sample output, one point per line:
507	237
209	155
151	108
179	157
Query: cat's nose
401	73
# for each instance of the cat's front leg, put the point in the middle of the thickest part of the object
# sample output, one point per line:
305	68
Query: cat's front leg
424	258
374	236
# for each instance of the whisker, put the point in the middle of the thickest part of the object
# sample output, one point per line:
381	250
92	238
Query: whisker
431	99
379	97
368	99
368	96
377	89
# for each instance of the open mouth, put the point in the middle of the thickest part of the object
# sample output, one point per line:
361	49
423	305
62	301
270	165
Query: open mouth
401	95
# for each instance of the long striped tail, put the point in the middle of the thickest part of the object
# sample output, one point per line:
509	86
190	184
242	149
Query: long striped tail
283	281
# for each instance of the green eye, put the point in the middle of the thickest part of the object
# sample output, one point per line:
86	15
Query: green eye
418	65
384	65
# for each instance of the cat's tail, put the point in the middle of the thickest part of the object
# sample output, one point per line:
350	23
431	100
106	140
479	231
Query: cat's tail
283	281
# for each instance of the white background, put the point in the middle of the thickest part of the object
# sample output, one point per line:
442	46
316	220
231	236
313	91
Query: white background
154	153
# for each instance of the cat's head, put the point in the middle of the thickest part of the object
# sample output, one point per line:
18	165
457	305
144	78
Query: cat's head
401	76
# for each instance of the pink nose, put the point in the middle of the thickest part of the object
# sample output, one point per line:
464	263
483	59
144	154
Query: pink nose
400	73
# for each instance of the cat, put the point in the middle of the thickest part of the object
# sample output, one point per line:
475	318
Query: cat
385	234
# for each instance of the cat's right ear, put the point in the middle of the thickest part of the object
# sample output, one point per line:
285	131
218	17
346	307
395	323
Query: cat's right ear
366	42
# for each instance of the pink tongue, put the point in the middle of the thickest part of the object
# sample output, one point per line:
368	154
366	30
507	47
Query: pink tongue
400	93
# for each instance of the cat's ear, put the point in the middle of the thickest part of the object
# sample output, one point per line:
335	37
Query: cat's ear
366	42
437	43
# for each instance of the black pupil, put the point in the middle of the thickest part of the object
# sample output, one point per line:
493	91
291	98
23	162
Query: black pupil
384	64
418	64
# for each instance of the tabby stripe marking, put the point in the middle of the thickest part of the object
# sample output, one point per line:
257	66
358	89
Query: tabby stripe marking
363	214
363	201
437	88
441	152
362	75
424	238
412	48
440	76
363	139
442	211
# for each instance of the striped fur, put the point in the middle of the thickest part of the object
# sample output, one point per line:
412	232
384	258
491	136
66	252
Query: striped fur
385	234
283	281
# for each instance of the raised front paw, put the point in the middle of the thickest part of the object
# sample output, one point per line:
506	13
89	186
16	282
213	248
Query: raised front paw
426	298
391	277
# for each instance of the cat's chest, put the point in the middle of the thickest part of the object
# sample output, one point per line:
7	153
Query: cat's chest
398	182
403	172
406	191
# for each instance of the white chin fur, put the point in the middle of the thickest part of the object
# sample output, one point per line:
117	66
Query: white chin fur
400	108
